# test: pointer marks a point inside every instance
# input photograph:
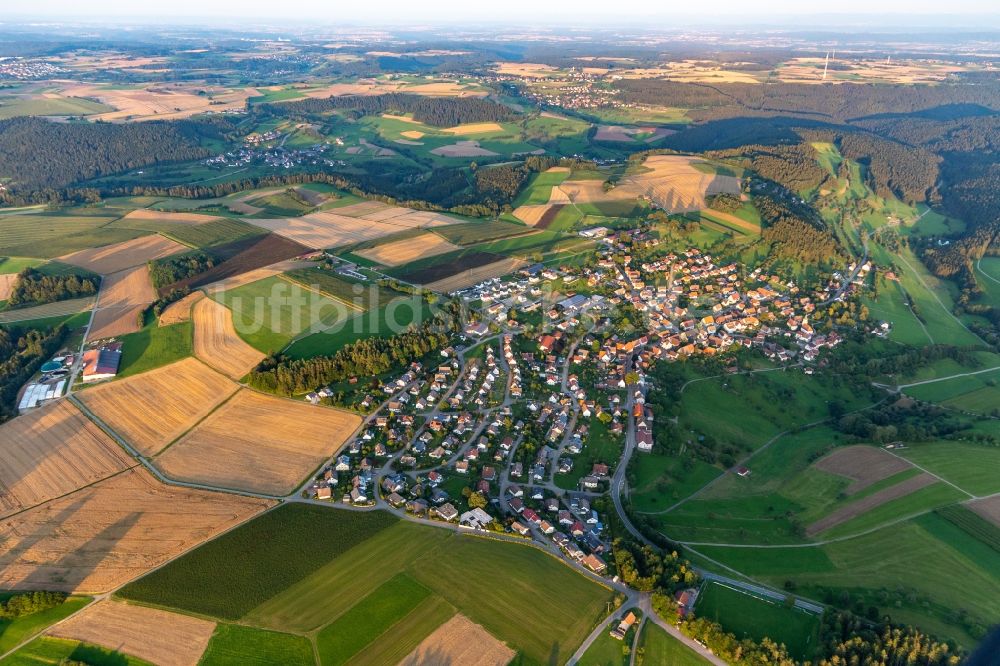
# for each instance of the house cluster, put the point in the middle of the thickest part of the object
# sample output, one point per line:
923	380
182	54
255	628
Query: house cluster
277	157
572	89
23	69
570	523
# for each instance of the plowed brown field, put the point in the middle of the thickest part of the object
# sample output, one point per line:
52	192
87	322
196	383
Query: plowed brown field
864	465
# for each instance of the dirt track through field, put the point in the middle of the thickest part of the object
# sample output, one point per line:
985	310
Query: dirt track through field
258	443
157	636
123	296
864	465
50	452
217	343
120	256
843	514
459	641
153	409
111	532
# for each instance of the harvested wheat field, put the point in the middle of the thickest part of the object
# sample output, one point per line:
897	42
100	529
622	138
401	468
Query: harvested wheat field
413	134
123	296
474	128
146	214
153	409
53	451
581	191
463	149
328	229
988	508
864	465
404	251
258	443
161	101
459	641
158	636
179	312
674	184
531	214
109	533
361	209
7	282
118	257
217	343
476	275
843	514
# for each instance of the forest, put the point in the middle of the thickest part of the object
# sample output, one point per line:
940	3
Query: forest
35	288
22	352
41	155
434	111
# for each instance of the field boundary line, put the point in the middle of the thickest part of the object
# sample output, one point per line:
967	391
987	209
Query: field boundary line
318	292
196	423
927	471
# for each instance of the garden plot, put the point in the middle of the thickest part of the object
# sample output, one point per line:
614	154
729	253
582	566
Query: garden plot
51	452
108	533
258	443
153	409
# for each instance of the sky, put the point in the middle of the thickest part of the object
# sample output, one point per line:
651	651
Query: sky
563	12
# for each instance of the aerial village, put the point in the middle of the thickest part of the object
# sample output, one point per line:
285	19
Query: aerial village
531	416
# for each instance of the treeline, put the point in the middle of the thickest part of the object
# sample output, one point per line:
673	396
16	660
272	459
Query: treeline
39	155
435	111
847	639
834	102
365	358
22	352
794	165
29	603
167	271
34	288
892	169
647	570
792	237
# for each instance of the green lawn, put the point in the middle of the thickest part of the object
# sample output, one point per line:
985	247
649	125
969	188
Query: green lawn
976	393
608	651
45	650
663	479
661	649
906	570
10	265
239	645
971	467
753	617
229	576
155	346
370	618
539	188
384	322
16	631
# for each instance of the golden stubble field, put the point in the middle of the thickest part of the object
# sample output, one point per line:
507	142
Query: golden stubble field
217	343
157	636
111	532
120	256
123	296
402	252
459	641
154	408
53	451
179	312
258	443
333	228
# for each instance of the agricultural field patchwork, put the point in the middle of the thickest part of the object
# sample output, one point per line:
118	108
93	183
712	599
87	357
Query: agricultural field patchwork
258	443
